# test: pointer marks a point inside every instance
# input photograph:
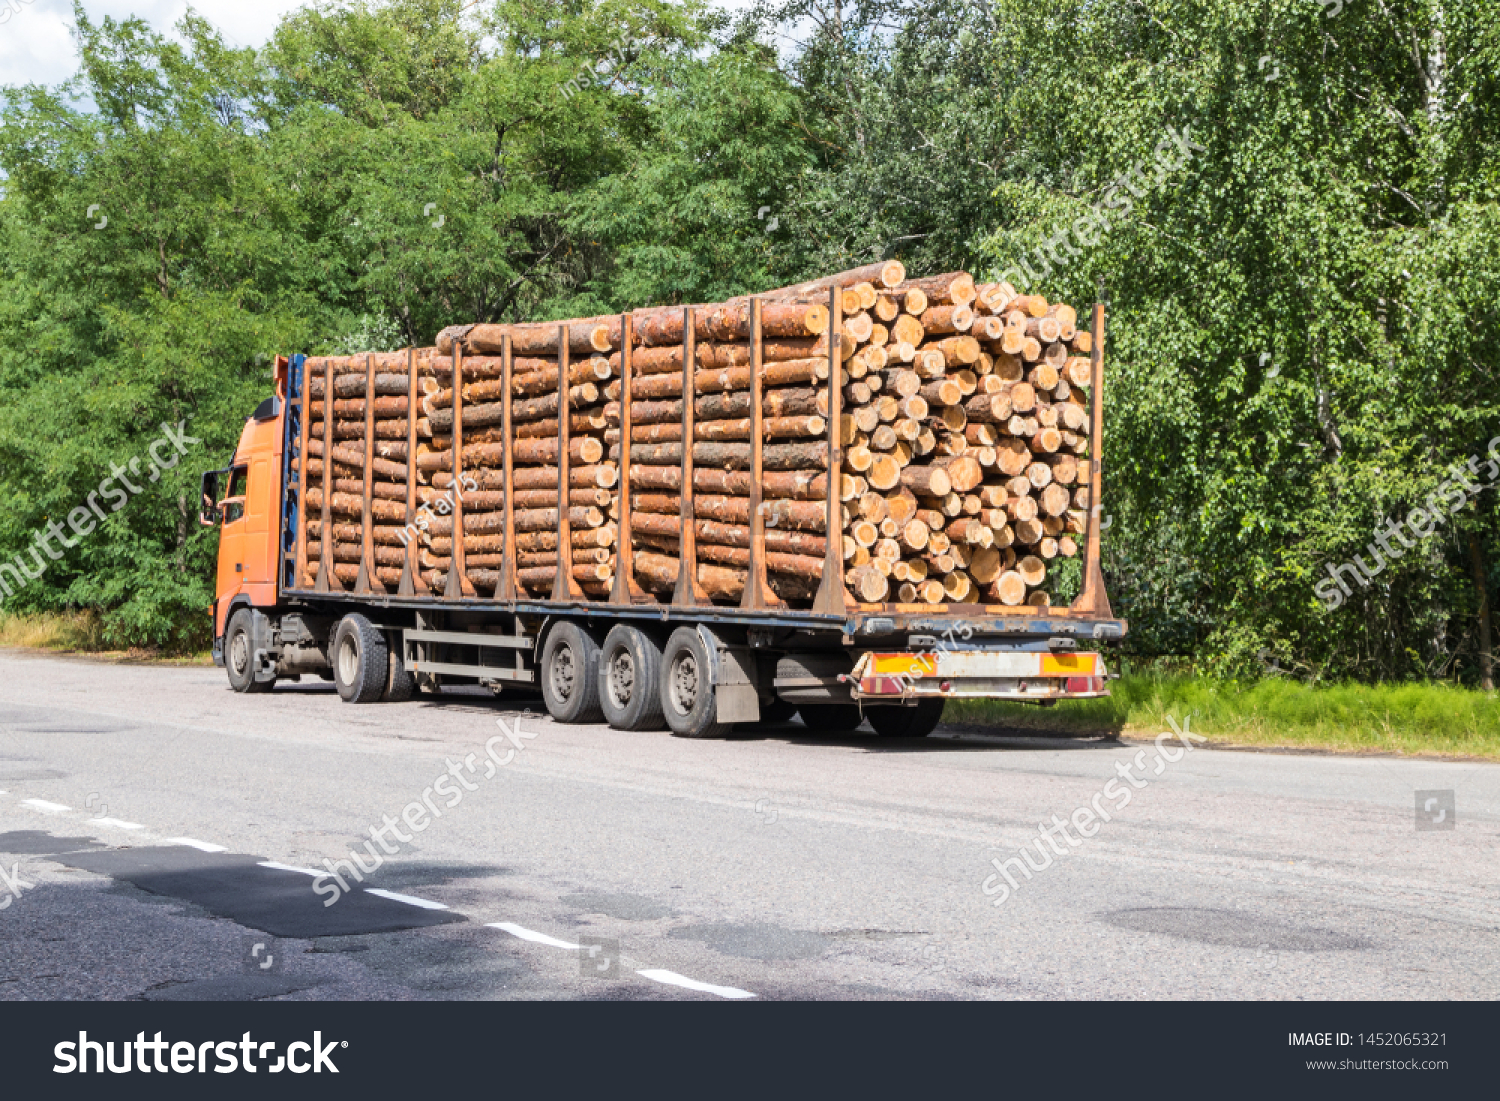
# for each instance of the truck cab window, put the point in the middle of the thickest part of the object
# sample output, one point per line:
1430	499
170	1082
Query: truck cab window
234	500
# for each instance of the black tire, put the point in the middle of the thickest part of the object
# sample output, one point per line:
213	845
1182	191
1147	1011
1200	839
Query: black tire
906	722
400	682
777	711
361	660
570	674
830	718
629	679
688	700
239	655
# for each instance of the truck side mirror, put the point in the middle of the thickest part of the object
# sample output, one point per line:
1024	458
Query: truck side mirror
208	507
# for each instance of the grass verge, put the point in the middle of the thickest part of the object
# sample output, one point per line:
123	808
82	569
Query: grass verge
79	633
1420	719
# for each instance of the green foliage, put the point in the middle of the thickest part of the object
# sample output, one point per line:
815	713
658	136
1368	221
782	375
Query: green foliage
1302	321
1298	344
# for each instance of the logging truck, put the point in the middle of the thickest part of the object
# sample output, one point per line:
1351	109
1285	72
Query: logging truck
881	476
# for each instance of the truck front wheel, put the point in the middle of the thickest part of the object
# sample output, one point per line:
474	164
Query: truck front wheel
361	660
239	655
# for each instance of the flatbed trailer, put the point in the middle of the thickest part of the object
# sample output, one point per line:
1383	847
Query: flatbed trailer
634	660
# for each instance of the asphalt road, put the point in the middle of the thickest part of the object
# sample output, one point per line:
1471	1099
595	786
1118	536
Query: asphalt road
142	805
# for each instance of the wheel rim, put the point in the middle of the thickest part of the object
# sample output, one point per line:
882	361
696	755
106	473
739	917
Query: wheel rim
562	673
348	660
684	683
239	654
621	680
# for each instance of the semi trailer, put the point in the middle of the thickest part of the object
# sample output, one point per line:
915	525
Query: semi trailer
290	603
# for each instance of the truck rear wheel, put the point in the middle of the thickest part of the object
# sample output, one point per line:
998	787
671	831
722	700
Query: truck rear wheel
570	674
361	660
400	683
688	701
906	722
777	711
239	655
629	673
831	718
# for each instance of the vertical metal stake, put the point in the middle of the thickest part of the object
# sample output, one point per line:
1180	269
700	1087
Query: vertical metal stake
833	596
688	592
564	587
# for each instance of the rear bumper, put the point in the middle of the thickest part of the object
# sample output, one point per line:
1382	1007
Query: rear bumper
979	674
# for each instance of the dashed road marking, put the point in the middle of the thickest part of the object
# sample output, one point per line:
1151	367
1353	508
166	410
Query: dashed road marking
117	823
532	935
410	900
193	843
273	865
671	978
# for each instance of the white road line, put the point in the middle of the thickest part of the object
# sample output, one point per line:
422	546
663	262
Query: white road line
274	866
528	934
117	824
410	900
191	843
42	804
671	978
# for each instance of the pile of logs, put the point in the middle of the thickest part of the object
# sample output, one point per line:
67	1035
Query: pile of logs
364	433
963	424
966	434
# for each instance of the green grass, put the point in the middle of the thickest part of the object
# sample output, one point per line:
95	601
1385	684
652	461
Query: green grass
44	631
1407	719
76	633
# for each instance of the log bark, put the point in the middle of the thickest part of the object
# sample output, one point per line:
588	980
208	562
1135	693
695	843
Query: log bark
927	480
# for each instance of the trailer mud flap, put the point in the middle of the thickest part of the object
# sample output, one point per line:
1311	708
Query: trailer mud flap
735	689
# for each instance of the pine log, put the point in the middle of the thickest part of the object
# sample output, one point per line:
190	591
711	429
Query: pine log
955	287
929	480
732	456
964	472
735	535
869	585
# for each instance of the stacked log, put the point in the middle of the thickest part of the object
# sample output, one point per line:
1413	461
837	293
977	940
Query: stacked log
965	432
363	425
963	418
794	448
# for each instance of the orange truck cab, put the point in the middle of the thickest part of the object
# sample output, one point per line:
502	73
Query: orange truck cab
243	500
